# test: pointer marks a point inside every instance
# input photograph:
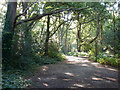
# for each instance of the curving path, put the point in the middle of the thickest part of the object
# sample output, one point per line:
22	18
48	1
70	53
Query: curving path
75	72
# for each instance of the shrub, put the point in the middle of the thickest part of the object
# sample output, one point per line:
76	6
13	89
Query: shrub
101	60
92	58
14	80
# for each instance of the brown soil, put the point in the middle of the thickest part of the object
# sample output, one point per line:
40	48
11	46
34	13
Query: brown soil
75	72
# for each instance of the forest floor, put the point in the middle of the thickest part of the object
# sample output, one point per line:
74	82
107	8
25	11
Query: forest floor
75	72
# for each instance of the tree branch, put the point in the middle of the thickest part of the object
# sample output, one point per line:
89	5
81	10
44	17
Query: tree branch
37	17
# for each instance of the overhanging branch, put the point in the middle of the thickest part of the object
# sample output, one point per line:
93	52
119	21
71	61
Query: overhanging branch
37	17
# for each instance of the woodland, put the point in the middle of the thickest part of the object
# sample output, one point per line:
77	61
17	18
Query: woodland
40	33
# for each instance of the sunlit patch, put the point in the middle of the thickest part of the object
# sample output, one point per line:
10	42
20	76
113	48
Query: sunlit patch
48	79
95	63
75	60
38	52
84	65
72	87
78	85
39	78
97	74
53	78
112	69
94	78
100	67
70	74
113	79
45	84
85	61
44	68
67	79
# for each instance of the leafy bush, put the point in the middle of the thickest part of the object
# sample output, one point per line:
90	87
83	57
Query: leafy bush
101	60
107	59
91	52
92	58
53	50
78	54
14	80
70	53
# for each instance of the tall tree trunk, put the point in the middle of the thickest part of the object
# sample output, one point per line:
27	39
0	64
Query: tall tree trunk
59	37
8	32
47	36
96	50
65	47
59	33
79	34
97	31
77	43
101	37
62	35
114	33
27	35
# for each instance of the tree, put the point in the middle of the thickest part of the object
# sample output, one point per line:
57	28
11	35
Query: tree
47	35
8	32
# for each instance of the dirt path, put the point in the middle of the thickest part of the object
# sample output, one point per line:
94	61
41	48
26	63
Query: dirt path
75	73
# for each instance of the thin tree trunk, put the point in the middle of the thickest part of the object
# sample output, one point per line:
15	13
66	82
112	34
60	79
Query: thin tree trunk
65	47
47	36
114	33
59	33
77	43
96	48
79	34
62	35
101	37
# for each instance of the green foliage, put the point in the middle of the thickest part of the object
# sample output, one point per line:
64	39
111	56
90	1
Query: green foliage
92	58
25	46
14	79
48	60
91	52
105	58
78	54
101	60
53	50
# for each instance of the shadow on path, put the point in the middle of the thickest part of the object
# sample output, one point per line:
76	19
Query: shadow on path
75	72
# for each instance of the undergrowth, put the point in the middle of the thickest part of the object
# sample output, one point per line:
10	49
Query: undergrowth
105	58
14	76
78	54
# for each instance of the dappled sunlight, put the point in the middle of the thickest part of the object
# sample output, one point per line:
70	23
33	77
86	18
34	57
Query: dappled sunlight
53	78
95	78
44	68
84	65
45	84
75	60
107	67
67	79
99	77
82	74
100	67
39	78
84	61
112	69
79	85
95	63
111	79
72	58
97	74
48	78
70	74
